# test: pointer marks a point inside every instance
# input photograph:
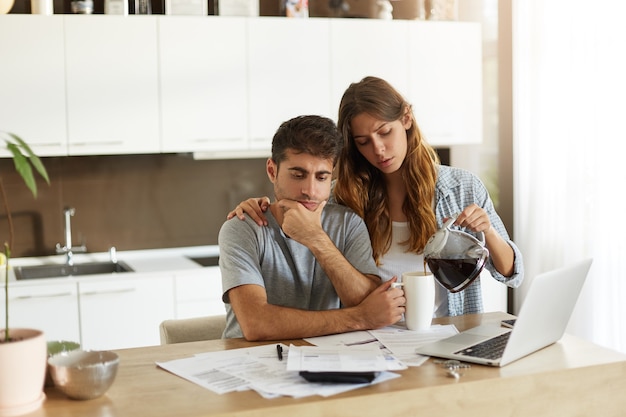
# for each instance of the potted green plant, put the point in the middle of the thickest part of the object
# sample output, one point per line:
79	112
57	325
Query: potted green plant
23	352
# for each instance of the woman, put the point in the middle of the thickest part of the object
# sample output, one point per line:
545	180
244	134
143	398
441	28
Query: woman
392	178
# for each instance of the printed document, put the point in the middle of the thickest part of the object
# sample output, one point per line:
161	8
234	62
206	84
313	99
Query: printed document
395	341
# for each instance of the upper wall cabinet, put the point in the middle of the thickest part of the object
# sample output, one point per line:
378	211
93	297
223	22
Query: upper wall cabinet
437	66
203	82
289	73
221	86
445	83
32	82
112	84
368	47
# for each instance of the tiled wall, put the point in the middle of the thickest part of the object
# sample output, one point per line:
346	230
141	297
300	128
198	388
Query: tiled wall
130	202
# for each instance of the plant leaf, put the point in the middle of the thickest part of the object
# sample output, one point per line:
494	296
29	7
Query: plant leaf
34	159
22	166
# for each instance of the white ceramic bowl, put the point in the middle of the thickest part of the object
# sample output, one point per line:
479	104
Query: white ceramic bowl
83	375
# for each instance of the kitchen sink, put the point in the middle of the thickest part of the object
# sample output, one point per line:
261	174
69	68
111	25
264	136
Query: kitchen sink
206	260
63	270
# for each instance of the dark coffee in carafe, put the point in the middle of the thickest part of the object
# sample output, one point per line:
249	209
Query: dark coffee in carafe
454	274
454	257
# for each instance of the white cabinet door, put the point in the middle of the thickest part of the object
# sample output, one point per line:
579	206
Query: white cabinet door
32	82
199	293
112	84
446	81
50	307
203	83
361	47
289	73
125	312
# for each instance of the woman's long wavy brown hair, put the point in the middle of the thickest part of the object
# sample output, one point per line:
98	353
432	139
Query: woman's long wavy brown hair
361	186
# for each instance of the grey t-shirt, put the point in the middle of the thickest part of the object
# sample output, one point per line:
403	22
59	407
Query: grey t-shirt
263	255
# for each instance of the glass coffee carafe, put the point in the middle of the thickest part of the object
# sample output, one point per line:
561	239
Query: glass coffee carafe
454	257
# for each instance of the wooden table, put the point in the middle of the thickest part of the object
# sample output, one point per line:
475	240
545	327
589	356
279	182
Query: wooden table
570	378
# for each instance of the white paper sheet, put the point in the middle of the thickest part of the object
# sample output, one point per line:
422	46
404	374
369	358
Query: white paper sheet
394	341
402	342
344	339
339	359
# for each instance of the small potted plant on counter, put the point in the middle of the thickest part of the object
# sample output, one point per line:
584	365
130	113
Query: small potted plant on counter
23	352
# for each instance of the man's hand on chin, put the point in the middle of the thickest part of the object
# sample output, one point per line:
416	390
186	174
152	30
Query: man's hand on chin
299	222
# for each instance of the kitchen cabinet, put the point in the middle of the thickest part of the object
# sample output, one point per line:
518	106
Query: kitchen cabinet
199	293
445	86
436	66
360	48
112	84
289	75
48	306
124	312
203	83
32	82
103	84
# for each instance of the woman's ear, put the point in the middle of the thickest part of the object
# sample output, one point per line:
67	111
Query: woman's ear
407	120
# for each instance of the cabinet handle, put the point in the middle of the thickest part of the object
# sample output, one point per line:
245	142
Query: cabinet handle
120	291
98	143
216	140
48	145
27	297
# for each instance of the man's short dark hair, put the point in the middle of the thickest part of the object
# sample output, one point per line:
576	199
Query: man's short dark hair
314	135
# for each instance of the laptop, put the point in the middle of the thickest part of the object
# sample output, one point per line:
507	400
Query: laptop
542	320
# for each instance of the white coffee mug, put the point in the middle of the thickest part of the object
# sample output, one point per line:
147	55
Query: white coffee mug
419	291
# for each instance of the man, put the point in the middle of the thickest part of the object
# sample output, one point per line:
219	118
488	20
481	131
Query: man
310	271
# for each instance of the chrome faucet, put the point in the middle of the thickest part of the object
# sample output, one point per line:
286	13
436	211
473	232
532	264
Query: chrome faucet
68	249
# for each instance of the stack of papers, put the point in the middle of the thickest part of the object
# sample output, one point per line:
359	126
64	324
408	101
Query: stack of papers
259	369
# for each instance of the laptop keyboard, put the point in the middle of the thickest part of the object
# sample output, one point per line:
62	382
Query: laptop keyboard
489	349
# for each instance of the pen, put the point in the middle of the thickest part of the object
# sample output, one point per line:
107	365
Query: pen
279	351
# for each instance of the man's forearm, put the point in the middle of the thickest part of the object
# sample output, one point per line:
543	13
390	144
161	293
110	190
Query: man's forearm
351	285
280	323
260	320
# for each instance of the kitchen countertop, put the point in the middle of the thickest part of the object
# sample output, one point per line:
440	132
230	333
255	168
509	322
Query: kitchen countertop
141	261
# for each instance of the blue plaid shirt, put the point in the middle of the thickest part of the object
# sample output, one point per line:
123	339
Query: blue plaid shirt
455	190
